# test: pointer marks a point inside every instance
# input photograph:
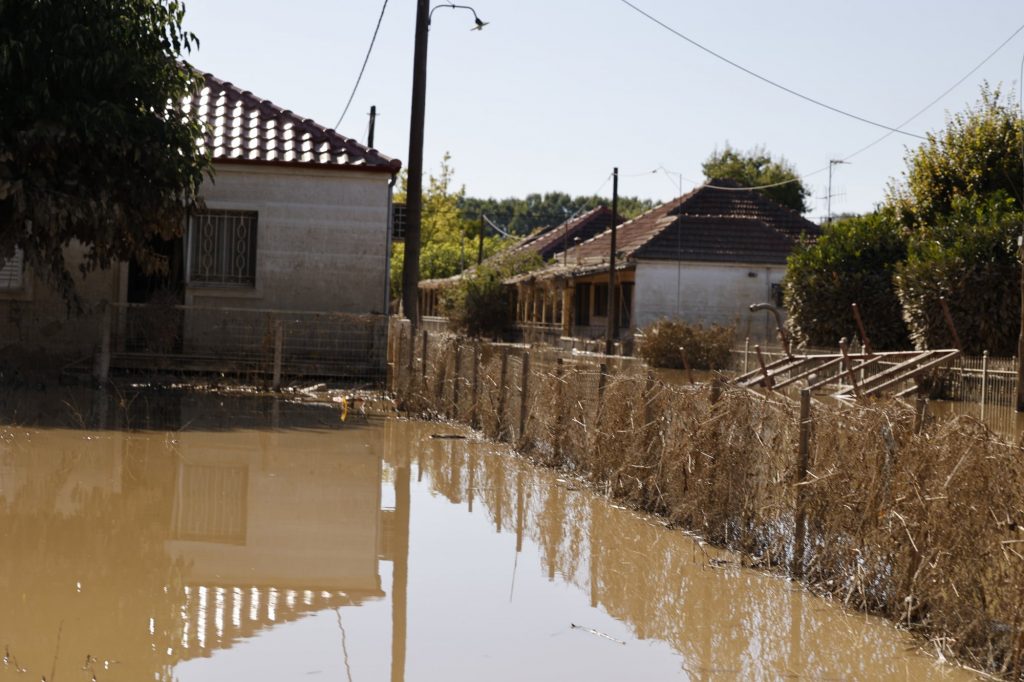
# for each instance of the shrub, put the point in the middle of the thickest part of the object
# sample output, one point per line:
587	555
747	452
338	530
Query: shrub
480	304
970	258
852	262
706	347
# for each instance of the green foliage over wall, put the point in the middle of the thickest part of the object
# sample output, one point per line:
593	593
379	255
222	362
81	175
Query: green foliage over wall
93	143
852	262
970	258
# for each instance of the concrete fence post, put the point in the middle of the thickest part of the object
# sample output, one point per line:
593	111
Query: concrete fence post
802	458
278	348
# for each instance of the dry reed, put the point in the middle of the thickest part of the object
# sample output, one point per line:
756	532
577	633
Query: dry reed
923	526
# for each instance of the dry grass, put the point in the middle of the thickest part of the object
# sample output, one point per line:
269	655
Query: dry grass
924	527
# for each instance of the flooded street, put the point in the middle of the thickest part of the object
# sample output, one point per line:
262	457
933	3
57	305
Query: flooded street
208	538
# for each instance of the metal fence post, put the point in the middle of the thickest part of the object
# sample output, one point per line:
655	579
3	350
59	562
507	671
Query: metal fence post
984	382
502	390
524	394
103	361
423	361
278	347
474	415
456	357
559	398
802	458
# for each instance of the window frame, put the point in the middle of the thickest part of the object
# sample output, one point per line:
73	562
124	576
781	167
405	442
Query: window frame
223	280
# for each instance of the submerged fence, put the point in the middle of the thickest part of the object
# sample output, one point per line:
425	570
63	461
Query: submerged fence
251	344
921	520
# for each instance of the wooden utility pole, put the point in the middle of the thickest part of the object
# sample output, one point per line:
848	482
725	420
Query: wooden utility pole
414	181
1020	339
613	322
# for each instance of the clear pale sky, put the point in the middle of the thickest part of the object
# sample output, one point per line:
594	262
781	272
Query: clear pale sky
553	93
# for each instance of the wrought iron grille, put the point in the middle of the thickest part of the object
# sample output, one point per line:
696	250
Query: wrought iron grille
11	272
222	248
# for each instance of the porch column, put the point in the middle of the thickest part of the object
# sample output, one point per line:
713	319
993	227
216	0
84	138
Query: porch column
567	291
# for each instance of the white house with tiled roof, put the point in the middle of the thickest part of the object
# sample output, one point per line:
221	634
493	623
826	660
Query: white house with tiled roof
703	257
295	221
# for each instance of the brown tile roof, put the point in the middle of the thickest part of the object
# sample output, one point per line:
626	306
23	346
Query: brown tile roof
244	128
711	223
555	240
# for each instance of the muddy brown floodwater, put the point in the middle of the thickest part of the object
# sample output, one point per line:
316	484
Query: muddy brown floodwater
202	538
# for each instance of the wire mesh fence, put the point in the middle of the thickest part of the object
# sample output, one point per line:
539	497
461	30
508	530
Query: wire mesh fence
251	344
917	519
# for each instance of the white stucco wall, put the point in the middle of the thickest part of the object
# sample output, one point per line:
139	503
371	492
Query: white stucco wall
709	293
322	238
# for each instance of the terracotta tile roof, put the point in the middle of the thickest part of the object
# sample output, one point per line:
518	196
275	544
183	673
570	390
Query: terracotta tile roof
554	240
713	239
244	128
707	224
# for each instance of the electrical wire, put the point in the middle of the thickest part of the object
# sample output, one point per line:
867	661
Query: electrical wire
363	68
767	80
940	97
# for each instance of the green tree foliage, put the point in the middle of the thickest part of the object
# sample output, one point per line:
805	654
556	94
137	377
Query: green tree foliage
977	155
478	304
94	146
960	199
852	262
448	241
522	216
757	167
969	257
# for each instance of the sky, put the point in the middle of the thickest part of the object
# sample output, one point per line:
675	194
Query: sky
553	94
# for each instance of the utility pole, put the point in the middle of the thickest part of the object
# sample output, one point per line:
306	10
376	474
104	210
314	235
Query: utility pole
1020	339
373	124
414	182
831	162
613	322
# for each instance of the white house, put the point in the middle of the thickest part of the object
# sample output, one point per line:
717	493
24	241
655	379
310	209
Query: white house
294	223
702	257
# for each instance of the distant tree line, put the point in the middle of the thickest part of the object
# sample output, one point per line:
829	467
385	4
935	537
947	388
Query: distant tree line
522	216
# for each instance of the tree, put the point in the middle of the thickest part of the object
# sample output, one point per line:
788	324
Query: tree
853	261
94	146
969	257
757	167
448	240
479	304
524	215
977	155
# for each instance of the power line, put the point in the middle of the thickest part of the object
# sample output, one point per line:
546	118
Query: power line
365	61
945	92
766	79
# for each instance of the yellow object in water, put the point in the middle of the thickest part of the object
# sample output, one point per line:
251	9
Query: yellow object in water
344	409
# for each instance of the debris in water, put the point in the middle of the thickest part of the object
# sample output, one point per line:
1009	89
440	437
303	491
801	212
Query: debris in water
448	436
596	633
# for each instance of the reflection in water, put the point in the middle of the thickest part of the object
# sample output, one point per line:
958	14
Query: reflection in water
266	541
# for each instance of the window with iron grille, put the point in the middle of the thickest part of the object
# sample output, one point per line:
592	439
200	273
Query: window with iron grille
222	248
12	272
